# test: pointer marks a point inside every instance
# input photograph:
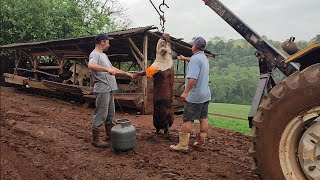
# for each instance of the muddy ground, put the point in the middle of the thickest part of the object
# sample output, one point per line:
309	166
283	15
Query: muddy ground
42	138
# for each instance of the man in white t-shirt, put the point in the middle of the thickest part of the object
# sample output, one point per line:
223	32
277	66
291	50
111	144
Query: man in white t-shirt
103	74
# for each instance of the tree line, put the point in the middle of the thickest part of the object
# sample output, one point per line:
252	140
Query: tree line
234	73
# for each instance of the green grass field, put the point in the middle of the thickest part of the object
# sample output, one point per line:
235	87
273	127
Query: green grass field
229	123
229	109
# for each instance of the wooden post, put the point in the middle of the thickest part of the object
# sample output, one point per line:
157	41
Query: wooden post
35	68
74	73
61	64
16	62
144	78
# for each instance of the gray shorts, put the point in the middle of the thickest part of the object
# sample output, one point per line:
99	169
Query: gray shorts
194	111
105	110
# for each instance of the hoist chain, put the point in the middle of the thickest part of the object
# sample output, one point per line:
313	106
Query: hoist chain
162	18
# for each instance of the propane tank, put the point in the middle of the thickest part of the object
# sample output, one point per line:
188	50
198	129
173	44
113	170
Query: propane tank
123	136
289	46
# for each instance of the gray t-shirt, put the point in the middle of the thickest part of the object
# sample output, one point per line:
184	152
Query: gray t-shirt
103	82
198	68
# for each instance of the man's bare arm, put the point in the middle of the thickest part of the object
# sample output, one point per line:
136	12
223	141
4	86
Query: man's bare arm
119	72
183	58
191	83
97	67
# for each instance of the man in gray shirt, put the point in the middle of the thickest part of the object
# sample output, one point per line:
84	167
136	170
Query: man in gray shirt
197	94
103	74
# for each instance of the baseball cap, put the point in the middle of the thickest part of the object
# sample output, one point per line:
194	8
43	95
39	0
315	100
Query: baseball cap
102	37
200	43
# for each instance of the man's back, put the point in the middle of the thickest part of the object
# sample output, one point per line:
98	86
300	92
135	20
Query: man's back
198	68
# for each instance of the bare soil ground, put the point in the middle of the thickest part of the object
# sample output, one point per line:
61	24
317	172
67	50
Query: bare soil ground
45	139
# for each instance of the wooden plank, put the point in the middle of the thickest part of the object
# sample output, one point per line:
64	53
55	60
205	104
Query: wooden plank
42	72
37	84
112	55
22	69
48	67
14	79
63	87
135	98
133	45
127	87
144	78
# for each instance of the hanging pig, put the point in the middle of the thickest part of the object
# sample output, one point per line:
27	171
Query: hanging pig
163	76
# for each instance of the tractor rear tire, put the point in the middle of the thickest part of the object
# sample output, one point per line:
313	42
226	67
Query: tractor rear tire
288	110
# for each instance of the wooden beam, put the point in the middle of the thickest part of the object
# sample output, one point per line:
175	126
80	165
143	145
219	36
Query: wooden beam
43	53
111	55
133	45
63	52
22	69
42	72
79	49
136	57
48	67
144	78
54	53
30	57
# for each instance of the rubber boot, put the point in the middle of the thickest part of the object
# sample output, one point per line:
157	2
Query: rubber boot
96	141
108	131
199	144
183	143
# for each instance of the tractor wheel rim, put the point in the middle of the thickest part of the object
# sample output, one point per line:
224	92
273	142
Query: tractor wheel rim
299	148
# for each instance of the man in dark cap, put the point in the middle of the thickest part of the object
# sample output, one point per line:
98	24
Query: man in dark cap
103	74
197	96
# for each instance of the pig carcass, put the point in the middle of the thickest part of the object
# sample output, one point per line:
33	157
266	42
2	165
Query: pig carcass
162	72
81	75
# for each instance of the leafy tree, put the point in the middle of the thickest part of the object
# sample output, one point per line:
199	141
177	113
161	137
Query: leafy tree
34	20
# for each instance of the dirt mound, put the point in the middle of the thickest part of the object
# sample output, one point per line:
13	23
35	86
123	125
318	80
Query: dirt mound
45	139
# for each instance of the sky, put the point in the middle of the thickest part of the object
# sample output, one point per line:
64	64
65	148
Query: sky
278	20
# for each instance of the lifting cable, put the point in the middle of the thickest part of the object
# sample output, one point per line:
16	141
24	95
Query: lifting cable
162	18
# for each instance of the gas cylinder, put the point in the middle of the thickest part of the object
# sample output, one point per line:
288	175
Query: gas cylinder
123	136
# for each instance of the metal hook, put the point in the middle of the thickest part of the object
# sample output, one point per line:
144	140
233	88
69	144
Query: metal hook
163	4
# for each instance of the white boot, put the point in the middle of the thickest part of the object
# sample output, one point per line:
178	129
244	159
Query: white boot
183	142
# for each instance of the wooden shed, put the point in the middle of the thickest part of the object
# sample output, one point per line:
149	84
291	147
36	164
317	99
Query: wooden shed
131	50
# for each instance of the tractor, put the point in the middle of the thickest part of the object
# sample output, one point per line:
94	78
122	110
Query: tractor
285	116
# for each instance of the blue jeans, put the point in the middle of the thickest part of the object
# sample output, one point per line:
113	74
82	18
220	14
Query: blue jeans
105	110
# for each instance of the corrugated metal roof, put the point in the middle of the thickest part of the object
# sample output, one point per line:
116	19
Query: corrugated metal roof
85	38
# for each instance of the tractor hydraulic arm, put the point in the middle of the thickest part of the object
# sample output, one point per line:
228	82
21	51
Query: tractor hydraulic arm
273	56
